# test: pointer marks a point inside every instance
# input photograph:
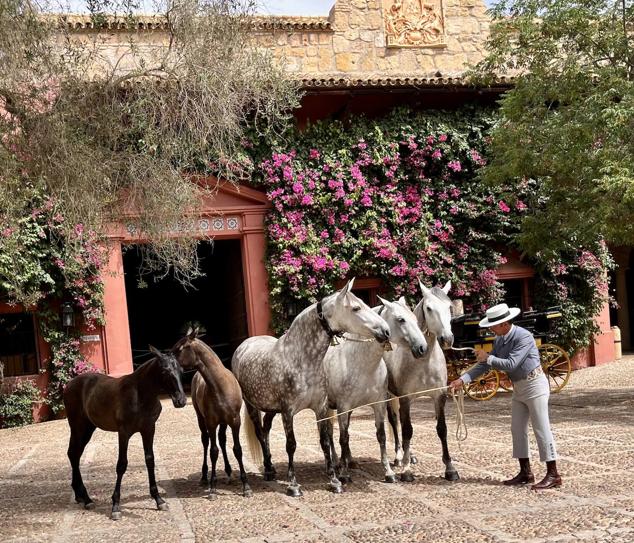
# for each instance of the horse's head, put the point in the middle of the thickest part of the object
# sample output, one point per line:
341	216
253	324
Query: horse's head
404	329
434	313
171	376
184	349
345	312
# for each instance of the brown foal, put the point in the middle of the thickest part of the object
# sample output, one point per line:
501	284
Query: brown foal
126	405
217	400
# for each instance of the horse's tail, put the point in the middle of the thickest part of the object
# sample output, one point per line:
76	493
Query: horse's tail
255	449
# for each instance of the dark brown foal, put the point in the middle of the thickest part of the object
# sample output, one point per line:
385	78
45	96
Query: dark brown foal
125	405
217	400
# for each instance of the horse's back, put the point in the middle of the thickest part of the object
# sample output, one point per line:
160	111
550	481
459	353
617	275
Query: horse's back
252	350
222	407
94	396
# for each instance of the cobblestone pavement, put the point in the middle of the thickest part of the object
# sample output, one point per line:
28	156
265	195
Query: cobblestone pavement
593	420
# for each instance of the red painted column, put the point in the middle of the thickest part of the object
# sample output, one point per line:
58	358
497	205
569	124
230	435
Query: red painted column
603	346
255	277
118	348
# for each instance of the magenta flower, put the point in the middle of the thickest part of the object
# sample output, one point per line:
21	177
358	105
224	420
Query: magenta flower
454	165
520	206
298	188
442	137
307	200
314	154
502	205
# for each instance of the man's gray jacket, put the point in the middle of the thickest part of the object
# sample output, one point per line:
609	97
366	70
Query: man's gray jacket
516	354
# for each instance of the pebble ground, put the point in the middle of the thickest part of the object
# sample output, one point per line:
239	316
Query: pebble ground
592	418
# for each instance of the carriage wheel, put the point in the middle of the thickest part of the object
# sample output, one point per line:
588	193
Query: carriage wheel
556	365
505	382
484	387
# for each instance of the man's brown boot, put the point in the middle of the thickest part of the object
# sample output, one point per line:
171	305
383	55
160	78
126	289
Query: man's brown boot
524	477
552	478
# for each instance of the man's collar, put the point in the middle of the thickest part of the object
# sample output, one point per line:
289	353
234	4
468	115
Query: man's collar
506	337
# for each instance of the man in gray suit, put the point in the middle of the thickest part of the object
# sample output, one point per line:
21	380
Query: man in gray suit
515	352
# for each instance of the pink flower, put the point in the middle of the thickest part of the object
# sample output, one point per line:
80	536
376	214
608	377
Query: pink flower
344	266
313	154
7	232
502	205
79	228
307	200
442	137
366	200
298	188
324	234
520	206
454	165
436	154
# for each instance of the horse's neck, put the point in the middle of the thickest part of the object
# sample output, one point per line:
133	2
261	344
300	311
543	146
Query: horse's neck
208	365
306	337
146	380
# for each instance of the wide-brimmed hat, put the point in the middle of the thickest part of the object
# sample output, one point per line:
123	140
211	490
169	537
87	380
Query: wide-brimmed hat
498	314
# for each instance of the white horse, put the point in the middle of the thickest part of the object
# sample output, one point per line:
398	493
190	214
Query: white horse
286	375
407	374
357	375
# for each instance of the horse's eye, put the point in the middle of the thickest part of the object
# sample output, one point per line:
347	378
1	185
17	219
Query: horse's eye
401	320
356	308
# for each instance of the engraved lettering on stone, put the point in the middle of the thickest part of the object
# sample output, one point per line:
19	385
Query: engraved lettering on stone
414	23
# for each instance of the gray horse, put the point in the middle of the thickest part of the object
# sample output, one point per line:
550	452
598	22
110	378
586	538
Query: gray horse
357	375
406	374
286	375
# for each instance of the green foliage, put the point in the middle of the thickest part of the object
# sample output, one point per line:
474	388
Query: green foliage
16	406
567	122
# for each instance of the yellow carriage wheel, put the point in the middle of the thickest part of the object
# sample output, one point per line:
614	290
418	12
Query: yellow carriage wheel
556	365
484	387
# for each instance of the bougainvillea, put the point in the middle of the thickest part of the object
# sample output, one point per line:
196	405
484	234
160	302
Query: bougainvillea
40	267
397	199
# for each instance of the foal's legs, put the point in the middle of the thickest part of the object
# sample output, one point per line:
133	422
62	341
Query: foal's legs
408	431
392	418
379	422
237	451
122	465
451	474
263	438
204	438
81	430
222	439
147	435
213	453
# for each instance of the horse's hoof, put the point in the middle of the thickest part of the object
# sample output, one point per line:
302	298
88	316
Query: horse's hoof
413	459
345	479
89	505
116	515
390	478
353	465
294	491
452	475
162	506
407	477
229	480
213	495
247	493
270	475
336	489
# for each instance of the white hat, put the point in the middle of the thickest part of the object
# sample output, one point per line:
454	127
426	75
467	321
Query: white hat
498	314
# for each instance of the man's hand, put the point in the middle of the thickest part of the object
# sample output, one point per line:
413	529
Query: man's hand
456	385
481	356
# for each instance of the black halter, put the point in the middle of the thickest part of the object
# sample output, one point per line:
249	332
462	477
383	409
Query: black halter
324	323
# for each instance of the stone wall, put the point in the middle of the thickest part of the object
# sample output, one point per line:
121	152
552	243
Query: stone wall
358	40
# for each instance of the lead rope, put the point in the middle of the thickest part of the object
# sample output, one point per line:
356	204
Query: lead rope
458	398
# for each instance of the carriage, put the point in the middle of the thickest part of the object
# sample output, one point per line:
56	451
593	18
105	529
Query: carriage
468	335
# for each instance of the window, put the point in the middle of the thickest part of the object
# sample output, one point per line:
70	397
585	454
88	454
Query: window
18	351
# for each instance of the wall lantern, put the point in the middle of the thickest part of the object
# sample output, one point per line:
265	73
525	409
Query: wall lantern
68	315
293	308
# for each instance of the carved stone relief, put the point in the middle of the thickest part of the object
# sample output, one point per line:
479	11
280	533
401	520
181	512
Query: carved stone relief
414	23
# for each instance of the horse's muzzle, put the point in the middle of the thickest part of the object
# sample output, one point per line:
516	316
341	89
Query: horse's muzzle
179	400
446	342
419	350
382	336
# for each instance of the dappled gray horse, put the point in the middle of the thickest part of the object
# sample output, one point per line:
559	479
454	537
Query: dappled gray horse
407	374
357	375
286	375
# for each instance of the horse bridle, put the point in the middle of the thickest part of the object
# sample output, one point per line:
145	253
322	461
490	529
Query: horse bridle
332	334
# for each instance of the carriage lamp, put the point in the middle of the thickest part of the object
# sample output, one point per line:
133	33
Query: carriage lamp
292	309
68	315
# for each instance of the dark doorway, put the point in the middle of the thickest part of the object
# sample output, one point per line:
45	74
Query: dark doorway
160	310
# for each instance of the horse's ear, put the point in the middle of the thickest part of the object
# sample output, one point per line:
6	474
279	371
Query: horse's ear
423	288
192	333
447	287
402	301
386	303
154	351
189	331
347	288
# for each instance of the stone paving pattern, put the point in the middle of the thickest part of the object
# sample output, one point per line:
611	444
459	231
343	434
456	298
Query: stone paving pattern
593	422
